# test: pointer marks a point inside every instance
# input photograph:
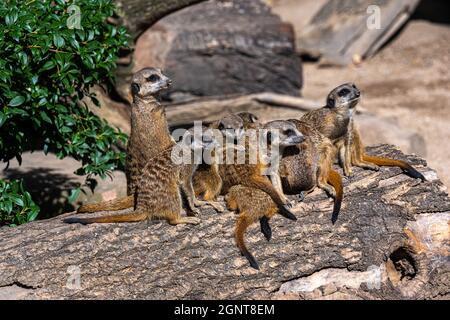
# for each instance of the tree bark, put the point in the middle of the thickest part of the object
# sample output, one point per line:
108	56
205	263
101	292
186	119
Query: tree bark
390	241
138	15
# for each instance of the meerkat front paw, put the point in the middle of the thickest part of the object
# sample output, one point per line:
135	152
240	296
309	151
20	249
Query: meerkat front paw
217	206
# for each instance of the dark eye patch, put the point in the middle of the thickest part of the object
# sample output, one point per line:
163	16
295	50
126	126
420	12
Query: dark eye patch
343	92
153	78
289	132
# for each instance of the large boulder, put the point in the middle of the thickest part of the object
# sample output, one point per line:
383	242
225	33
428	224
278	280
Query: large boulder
222	47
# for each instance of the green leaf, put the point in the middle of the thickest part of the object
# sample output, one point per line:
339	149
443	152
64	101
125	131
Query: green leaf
74	194
48	65
2	118
18	201
45	117
58	41
31	216
16	101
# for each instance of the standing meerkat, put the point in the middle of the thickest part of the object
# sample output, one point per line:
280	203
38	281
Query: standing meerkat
163	185
149	134
335	121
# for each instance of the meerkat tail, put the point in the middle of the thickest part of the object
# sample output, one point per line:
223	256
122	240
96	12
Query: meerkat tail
125	217
335	180
112	205
394	163
242	224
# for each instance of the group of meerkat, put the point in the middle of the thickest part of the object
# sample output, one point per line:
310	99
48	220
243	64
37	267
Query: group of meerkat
158	188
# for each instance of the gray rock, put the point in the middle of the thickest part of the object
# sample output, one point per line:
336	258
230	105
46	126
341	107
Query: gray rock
223	47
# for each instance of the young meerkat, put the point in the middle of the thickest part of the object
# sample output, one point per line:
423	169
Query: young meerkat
149	134
165	182
262	175
335	121
207	180
309	165
252	205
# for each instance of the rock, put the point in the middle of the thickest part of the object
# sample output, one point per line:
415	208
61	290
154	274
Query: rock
391	242
222	47
348	31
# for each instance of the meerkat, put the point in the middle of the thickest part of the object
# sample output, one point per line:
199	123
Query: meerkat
149	134
163	186
309	165
261	175
253	205
207	180
335	121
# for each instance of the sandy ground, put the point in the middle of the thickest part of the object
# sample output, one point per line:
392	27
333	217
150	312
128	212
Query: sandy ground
407	82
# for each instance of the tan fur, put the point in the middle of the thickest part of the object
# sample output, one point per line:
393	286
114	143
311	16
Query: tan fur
335	121
252	205
309	165
149	136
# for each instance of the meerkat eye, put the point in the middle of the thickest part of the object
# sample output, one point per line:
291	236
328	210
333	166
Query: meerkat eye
153	78
343	92
289	132
221	126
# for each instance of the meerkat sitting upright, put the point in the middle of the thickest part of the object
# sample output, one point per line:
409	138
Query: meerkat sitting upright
261	175
207	180
335	121
149	134
309	165
165	181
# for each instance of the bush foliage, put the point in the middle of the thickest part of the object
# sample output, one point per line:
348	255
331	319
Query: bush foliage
46	69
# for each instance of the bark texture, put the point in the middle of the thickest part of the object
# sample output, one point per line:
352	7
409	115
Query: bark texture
138	15
391	241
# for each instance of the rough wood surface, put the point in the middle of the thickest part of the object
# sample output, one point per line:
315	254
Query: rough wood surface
391	241
213	108
138	15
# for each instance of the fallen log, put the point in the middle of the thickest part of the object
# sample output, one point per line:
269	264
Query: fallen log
391	241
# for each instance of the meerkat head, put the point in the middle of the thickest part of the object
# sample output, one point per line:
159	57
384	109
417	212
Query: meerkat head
232	126
248	117
283	133
199	140
346	95
149	82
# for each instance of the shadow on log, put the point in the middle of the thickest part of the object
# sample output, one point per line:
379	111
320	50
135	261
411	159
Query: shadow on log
391	241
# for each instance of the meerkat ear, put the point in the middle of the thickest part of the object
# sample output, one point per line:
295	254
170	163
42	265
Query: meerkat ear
220	126
135	88
330	102
253	118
